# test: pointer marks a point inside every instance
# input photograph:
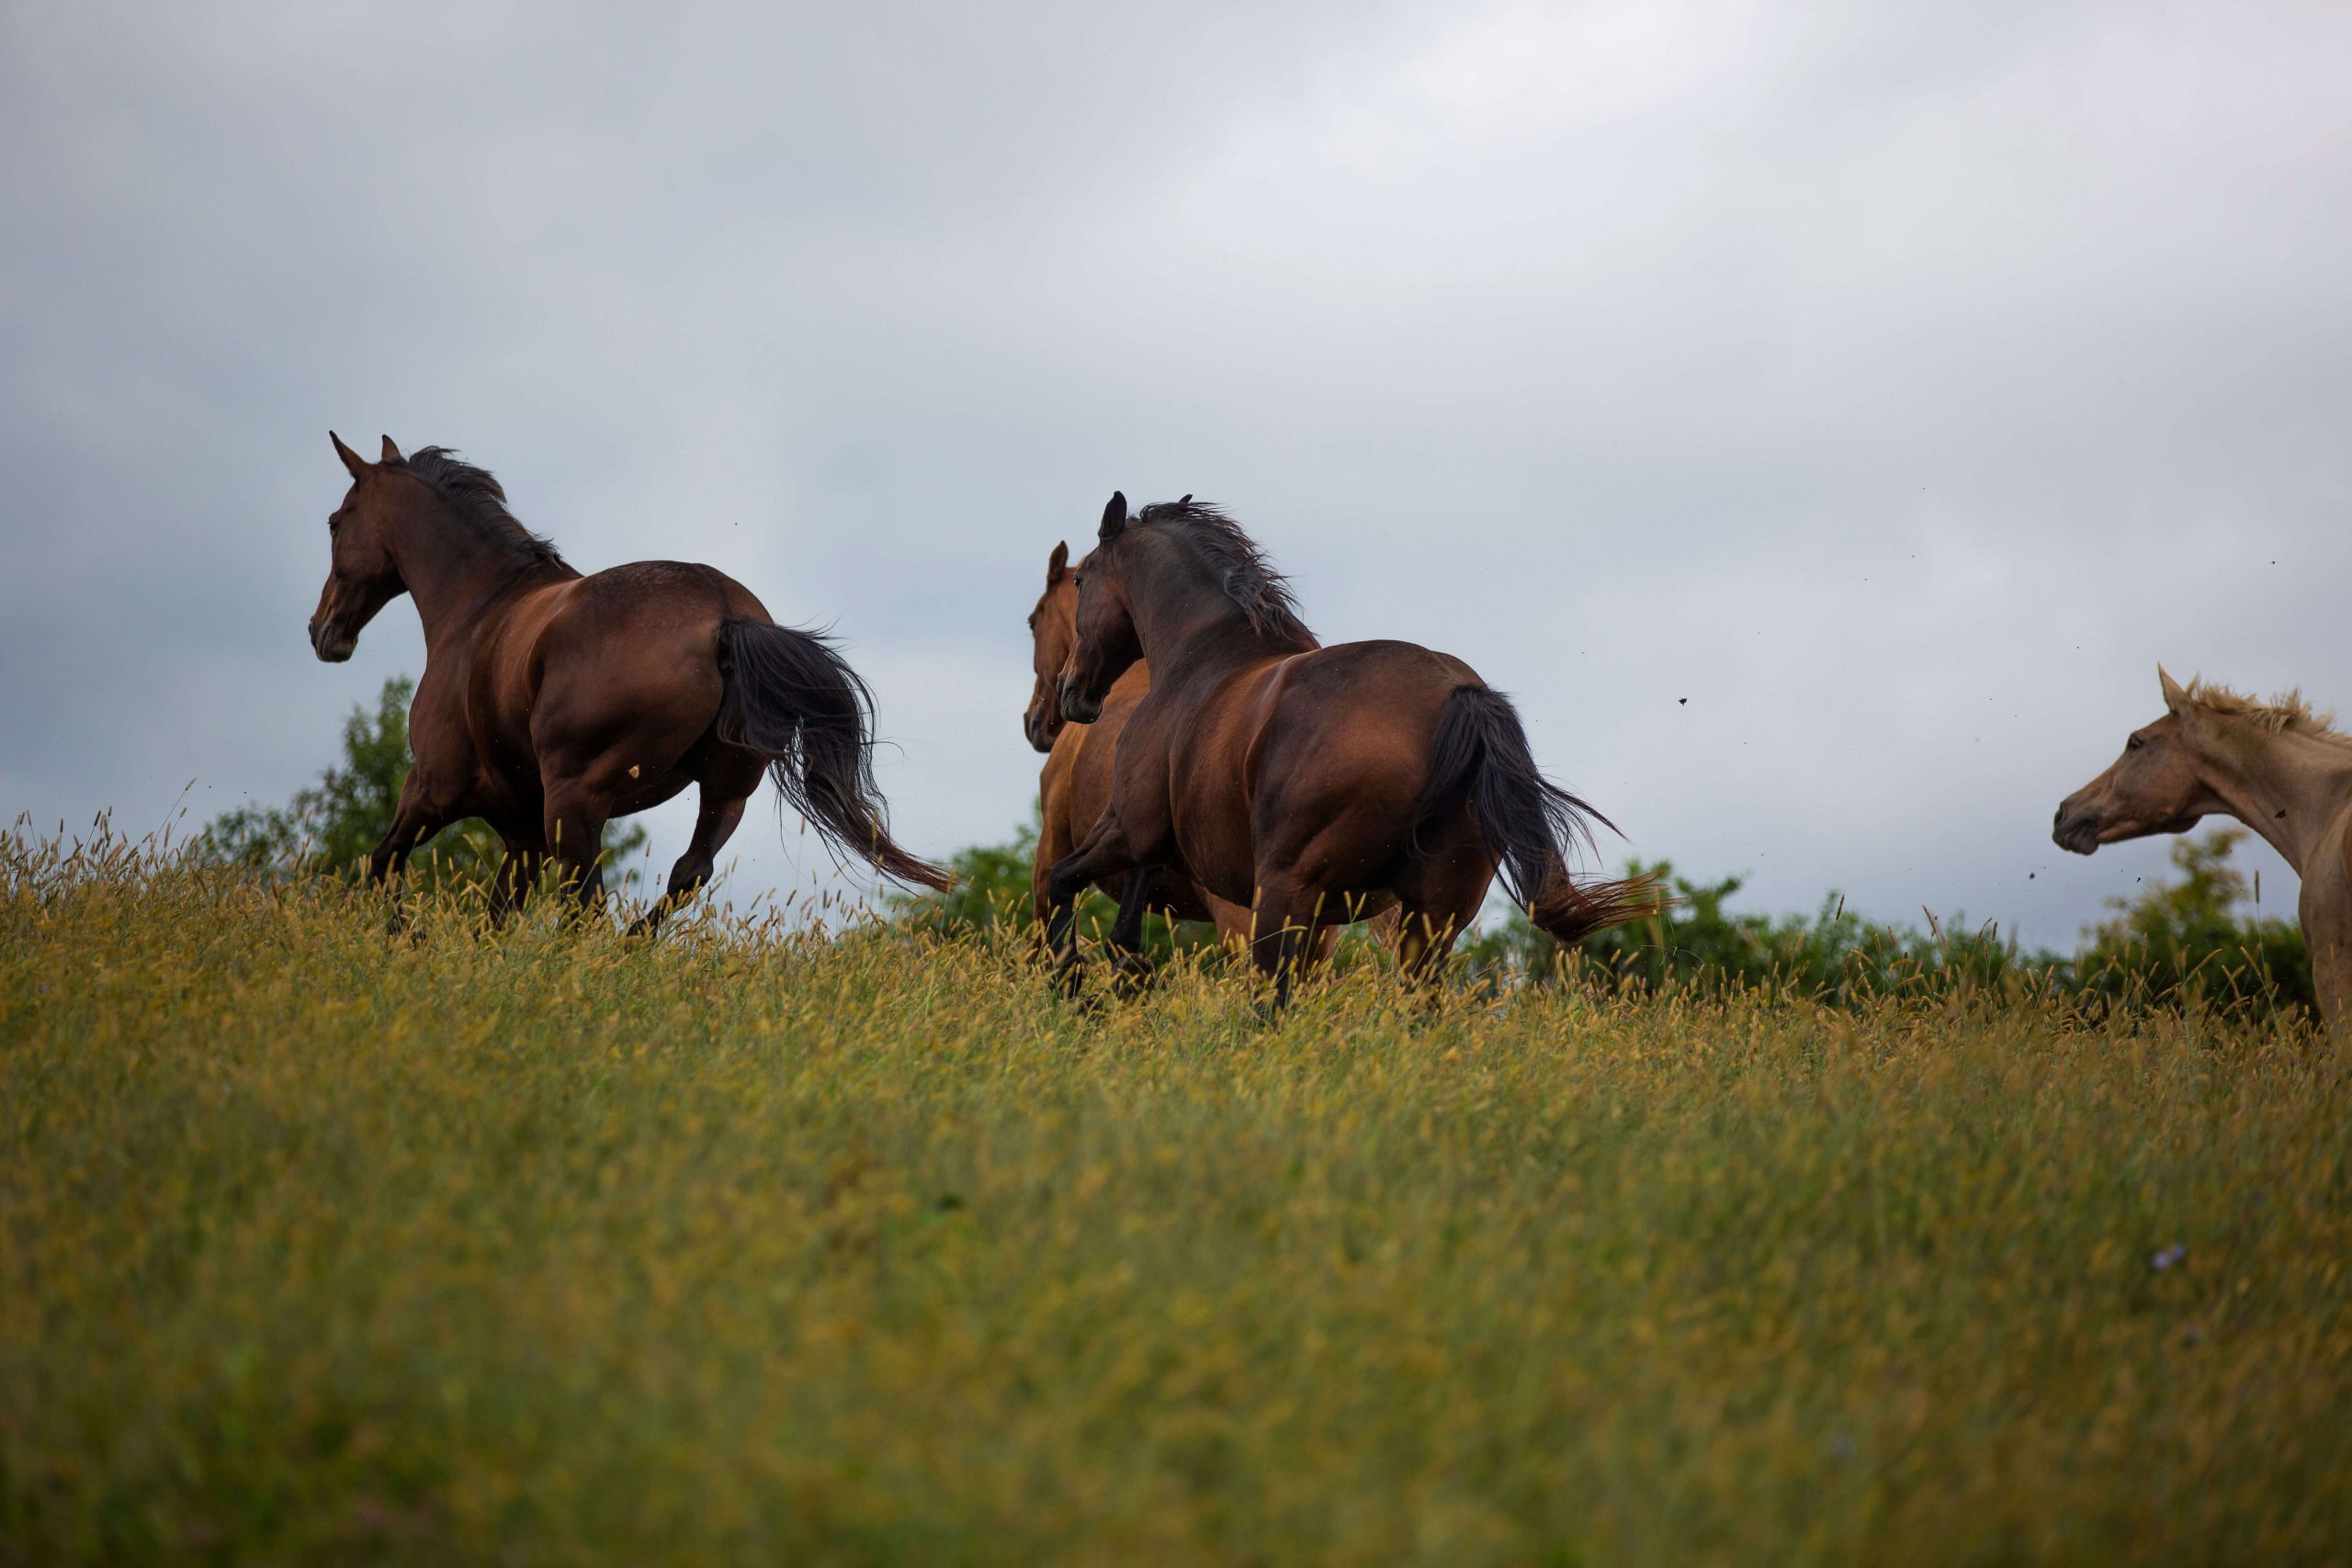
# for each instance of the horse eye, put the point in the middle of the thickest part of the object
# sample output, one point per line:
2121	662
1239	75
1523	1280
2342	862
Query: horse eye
2133	744
1078	580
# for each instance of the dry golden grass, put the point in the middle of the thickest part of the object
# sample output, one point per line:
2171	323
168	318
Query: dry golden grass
319	1243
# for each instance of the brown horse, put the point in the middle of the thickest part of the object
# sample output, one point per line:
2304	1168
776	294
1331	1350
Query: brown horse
552	702
1300	780
1075	784
2276	767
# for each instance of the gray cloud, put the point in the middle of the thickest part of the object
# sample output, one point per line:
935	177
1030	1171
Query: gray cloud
1896	385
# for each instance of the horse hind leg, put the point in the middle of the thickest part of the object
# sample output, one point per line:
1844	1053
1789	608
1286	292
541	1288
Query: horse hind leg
715	823
526	857
1424	938
1437	896
1286	933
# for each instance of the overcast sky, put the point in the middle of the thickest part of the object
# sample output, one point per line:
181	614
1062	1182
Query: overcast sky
1895	384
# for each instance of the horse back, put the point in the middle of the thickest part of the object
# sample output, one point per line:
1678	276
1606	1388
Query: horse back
632	644
1350	717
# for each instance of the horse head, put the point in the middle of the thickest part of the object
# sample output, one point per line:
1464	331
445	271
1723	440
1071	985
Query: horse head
1052	628
362	576
2157	785
1104	644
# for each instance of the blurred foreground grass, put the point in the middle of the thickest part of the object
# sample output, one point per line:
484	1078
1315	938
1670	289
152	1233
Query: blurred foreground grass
544	1247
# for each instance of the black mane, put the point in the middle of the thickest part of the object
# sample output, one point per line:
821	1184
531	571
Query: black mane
1260	592
478	497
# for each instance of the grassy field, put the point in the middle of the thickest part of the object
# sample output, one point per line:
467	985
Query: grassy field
317	1245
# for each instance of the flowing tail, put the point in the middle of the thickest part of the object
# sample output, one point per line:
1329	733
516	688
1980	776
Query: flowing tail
1480	754
791	696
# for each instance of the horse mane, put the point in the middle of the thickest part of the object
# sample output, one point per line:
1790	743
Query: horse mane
2286	714
1261	594
479	499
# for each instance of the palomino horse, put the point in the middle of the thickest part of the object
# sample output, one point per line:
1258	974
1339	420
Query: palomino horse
551	702
1300	780
2282	770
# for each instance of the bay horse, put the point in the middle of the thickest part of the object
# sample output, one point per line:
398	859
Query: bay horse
1075	783
553	701
1303	781
2279	768
1075	786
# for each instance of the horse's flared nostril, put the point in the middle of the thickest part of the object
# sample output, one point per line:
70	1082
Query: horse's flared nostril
2077	833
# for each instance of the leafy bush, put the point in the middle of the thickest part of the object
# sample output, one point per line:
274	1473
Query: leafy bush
1833	955
2188	938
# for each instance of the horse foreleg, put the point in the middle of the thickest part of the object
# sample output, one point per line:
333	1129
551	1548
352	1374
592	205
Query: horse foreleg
1126	940
1104	853
414	819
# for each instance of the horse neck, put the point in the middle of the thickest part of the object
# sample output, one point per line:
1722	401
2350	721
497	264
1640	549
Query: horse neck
2285	786
1188	623
451	569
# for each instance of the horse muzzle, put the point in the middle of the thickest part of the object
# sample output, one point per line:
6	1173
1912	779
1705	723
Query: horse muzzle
2074	830
1079	706
330	643
1037	724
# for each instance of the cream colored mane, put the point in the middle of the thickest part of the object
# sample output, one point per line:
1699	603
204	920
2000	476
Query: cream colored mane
2286	714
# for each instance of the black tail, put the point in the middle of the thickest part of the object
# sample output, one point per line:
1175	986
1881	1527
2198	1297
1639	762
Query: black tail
790	695
1480	754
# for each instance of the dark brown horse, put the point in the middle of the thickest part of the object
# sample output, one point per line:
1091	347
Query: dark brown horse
1075	784
552	702
1074	788
1304	780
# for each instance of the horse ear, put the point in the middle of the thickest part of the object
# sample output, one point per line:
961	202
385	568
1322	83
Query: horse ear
1114	516
391	453
2173	695
352	460
1057	563
1184	500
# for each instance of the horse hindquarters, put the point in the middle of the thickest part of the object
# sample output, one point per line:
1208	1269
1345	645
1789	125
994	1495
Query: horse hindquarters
1479	760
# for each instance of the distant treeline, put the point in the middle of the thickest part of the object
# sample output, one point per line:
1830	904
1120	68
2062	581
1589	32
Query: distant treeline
2197	936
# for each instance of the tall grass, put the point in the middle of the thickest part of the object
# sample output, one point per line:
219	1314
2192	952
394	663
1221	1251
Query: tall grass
321	1241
